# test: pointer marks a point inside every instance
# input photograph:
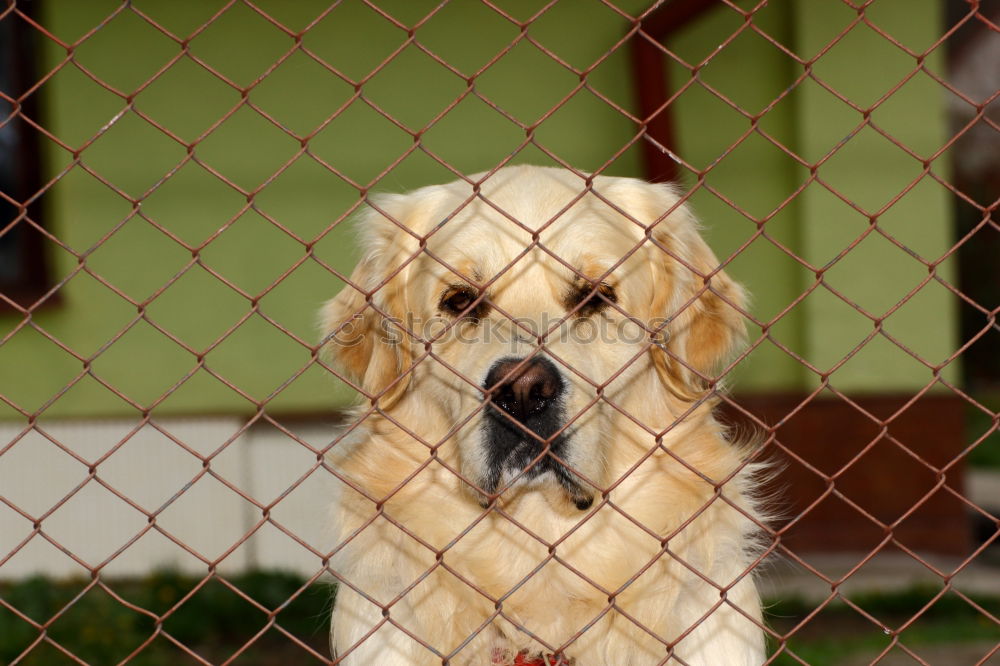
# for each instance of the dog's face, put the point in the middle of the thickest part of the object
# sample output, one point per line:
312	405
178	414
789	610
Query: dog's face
529	316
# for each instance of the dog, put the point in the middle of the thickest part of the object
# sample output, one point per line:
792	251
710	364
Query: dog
535	474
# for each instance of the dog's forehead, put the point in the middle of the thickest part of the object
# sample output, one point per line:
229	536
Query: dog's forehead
531	220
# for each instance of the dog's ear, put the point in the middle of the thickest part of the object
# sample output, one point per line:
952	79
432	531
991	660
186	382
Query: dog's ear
695	304
363	327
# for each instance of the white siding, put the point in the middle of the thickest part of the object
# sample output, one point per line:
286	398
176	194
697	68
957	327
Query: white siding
155	472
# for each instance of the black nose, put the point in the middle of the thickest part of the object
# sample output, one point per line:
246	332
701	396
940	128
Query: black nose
524	388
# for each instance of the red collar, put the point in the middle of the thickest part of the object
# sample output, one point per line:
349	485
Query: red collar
522	659
547	660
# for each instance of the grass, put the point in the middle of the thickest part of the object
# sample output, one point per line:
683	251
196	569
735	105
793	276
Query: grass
217	623
839	631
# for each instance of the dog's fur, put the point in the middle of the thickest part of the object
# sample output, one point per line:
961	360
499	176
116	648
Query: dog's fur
624	537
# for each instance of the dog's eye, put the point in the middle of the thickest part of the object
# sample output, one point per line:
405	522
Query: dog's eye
589	300
459	301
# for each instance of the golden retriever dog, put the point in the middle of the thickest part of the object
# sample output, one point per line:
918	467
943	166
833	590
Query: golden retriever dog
535	475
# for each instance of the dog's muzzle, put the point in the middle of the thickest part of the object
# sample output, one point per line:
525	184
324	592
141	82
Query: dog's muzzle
524	425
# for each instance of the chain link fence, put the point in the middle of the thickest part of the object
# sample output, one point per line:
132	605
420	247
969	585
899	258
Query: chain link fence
177	183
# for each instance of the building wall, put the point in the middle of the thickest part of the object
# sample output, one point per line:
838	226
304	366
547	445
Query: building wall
147	222
262	500
195	228
863	175
198	237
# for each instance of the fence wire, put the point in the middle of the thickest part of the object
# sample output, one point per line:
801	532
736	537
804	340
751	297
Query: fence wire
652	133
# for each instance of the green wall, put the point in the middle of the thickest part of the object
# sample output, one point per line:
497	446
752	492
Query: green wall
858	172
192	250
161	252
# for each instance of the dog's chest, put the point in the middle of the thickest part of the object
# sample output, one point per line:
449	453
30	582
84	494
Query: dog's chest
528	560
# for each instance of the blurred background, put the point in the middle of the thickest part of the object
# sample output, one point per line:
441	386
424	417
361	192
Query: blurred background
177	180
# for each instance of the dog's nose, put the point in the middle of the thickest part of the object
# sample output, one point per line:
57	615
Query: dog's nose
523	388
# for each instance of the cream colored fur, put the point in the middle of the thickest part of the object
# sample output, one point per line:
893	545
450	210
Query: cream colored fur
657	570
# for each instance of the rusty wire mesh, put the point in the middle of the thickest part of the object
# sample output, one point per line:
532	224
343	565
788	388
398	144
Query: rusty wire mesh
25	313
